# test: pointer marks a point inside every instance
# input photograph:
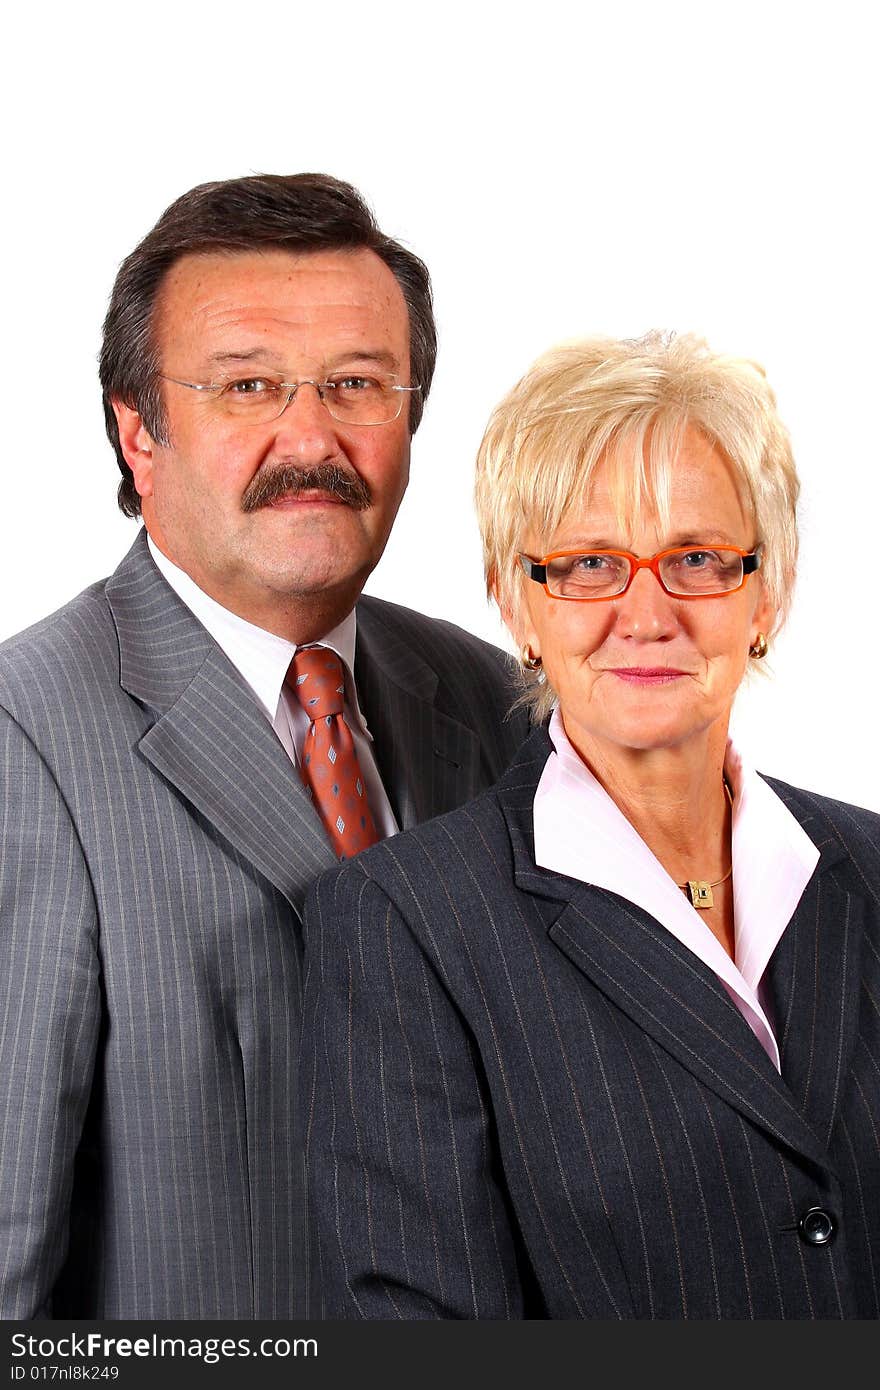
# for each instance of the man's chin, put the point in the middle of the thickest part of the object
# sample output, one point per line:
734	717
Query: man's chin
316	576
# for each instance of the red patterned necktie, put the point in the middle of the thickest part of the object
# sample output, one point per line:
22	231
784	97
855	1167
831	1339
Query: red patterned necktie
329	765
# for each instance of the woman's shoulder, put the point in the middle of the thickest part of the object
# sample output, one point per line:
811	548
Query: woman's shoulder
813	804
833	825
461	843
468	852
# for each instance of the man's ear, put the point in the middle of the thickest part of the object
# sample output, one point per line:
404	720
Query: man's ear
136	445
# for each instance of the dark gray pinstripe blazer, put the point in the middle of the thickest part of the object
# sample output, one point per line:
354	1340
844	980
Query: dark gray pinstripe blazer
525	1098
156	849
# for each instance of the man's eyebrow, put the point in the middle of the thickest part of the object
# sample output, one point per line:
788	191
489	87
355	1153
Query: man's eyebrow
255	354
382	357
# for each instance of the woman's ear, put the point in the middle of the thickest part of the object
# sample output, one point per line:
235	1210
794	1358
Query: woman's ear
764	616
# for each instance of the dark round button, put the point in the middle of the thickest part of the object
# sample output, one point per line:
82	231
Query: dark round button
816	1226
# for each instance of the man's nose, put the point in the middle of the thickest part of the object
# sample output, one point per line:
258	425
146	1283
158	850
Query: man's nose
646	611
306	427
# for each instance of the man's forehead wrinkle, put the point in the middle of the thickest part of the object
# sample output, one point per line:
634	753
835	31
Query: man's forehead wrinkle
339	319
349	334
303	315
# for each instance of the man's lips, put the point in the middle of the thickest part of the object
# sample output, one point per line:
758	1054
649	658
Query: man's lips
300	499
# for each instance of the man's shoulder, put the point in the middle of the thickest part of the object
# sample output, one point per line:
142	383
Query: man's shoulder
70	641
465	677
443	645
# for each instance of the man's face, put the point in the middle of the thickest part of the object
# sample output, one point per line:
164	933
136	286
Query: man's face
222	318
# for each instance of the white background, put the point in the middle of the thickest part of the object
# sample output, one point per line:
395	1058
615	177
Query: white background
563	169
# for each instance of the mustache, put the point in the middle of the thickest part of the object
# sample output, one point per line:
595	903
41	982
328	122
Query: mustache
289	481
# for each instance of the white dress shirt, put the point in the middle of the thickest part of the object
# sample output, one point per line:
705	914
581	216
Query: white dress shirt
580	832
262	659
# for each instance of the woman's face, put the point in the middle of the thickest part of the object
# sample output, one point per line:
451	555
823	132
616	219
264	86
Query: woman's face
646	670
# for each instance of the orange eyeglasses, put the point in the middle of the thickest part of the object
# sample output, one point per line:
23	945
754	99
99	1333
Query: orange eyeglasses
692	571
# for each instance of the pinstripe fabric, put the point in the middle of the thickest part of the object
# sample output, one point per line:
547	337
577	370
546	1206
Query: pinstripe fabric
523	1098
156	849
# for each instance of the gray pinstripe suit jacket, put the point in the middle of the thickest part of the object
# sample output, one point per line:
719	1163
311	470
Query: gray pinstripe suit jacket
156	849
537	1103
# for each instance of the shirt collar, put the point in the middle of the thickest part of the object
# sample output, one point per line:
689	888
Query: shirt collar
261	657
581	832
773	861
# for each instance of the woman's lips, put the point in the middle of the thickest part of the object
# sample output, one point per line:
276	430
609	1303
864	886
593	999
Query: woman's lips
647	675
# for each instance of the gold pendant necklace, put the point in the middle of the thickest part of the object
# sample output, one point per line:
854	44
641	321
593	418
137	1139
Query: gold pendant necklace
698	891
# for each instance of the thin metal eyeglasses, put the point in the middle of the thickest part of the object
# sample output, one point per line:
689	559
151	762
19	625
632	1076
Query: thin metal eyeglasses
692	571
349	397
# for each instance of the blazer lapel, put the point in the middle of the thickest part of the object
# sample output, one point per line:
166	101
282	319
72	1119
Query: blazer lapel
814	976
210	739
666	990
429	761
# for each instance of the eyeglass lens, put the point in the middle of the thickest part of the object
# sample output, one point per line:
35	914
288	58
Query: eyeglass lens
355	400
601	574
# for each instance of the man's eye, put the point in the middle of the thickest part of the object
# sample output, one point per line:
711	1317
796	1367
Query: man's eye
250	386
353	385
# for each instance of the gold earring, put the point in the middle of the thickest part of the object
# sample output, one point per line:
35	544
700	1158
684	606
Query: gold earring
529	660
758	649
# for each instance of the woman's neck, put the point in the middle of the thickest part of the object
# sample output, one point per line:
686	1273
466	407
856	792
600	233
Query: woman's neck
674	797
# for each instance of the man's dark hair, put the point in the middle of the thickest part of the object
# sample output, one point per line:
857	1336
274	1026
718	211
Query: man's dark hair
289	212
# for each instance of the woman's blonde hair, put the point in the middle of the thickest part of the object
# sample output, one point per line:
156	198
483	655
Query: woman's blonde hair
629	402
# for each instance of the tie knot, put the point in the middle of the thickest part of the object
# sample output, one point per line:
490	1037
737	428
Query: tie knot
316	677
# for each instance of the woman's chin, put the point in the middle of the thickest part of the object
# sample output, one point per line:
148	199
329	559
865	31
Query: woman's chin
643	730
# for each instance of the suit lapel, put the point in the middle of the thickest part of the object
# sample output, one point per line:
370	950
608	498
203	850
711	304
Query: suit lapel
210	739
429	761
660	985
814	976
